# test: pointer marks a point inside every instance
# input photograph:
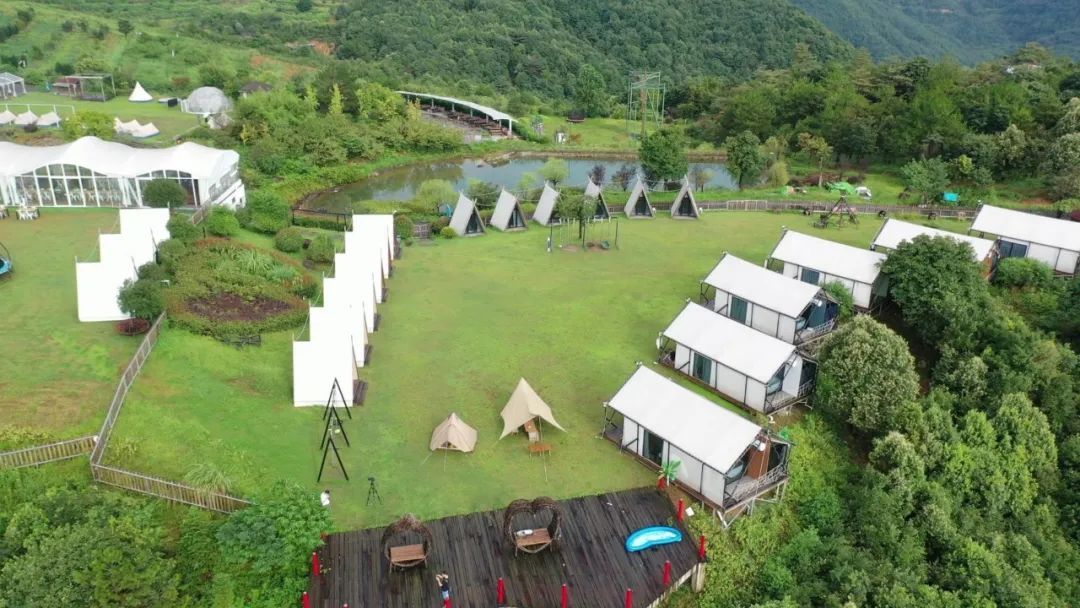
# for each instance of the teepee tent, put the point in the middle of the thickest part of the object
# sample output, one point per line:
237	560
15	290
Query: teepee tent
685	206
26	118
453	434
466	220
525	405
139	94
545	213
638	204
593	191
508	214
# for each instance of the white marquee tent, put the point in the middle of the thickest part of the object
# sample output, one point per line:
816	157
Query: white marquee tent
545	213
466	220
508	214
326	357
819	261
139	94
1053	241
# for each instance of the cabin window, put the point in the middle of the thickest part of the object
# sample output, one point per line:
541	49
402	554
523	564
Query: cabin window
702	368
1012	250
738	309
810	276
776	383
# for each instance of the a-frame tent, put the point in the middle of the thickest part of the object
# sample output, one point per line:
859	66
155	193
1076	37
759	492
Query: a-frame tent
595	192
545	213
685	206
638	204
466	220
508	214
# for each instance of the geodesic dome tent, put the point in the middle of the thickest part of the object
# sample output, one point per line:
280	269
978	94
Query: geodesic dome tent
206	101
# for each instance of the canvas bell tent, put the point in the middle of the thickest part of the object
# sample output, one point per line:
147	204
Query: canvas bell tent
723	458
1026	235
453	434
894	232
819	261
466	220
638	204
524	406
593	191
744	365
139	94
545	213
779	306
685	205
508	215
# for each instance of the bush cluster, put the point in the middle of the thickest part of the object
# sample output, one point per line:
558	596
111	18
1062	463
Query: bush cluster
289	240
321	250
222	222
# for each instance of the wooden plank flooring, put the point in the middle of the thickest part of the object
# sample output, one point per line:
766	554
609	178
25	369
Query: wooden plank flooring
590	558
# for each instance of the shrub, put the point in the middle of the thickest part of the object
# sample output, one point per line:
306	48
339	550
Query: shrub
222	222
321	249
448	233
1019	273
839	292
141	299
170	252
485	214
289	239
181	229
267	212
152	271
403	226
439	224
162	193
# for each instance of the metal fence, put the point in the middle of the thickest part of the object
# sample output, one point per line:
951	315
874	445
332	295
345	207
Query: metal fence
42	454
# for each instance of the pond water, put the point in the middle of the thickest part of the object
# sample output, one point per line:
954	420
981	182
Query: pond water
400	184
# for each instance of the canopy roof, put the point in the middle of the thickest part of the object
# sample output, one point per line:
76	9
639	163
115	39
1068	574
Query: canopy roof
860	265
9	78
463	212
504	209
1029	227
139	94
697	426
491	113
453	434
112	158
545	207
894	232
762	286
523	406
729	343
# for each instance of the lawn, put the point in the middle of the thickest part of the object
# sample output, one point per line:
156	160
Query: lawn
58	374
170	121
465	319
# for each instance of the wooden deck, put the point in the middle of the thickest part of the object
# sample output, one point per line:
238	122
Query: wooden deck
589	557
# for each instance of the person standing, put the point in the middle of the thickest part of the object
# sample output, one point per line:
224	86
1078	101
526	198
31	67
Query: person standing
324	498
443	580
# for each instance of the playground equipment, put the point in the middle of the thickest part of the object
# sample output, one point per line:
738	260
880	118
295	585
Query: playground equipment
6	265
841	210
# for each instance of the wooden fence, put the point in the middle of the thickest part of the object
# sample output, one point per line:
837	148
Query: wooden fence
42	454
169	490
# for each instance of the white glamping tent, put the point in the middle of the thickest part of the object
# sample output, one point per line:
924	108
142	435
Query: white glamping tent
369	255
326	357
594	191
545	213
98	283
139	94
344	296
685	205
638	204
508	214
466	220
818	261
1026	235
894	232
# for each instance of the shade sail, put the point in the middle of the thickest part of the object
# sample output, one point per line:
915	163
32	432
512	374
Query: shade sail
453	434
523	406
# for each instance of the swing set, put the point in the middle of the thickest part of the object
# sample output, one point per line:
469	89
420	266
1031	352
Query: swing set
590	233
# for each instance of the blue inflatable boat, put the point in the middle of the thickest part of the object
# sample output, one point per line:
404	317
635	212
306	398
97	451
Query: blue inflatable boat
653	536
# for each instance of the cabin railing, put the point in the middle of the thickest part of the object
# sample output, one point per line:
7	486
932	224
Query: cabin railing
761	484
812	333
780	400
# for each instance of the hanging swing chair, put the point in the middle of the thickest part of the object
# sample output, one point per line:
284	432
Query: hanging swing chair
6	265
409	554
531	540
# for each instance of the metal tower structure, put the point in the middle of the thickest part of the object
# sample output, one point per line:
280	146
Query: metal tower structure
644	101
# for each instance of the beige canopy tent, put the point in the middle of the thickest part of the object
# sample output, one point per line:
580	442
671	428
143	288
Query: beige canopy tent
523	406
453	434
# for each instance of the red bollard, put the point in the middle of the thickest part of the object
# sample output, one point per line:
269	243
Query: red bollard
701	548
307	600
565	596
502	592
667	573
682	511
315	570
445	603
629	598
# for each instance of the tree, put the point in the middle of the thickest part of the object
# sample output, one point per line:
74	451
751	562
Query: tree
304	6
744	158
663	155
866	375
597	174
700	176
817	149
434	192
378	103
215	75
124	27
624	176
141	299
88	122
573	207
311	98
267	212
590	91
164	193
929	177
336	107
555	170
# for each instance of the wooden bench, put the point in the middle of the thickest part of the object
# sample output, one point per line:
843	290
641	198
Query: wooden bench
534	542
408	556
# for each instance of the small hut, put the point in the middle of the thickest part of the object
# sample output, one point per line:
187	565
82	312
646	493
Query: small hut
546	214
594	191
685	206
523	408
508	215
638	205
466	220
453	434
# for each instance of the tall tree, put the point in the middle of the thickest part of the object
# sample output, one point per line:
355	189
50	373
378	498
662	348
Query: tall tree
744	158
124	27
928	177
555	170
663	155
590	91
817	149
337	106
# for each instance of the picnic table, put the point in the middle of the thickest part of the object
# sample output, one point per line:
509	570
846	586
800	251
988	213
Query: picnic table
539	448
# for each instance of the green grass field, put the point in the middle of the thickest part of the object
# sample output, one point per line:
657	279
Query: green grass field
466	318
170	121
58	374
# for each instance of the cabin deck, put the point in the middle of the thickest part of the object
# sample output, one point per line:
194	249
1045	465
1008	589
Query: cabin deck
589	557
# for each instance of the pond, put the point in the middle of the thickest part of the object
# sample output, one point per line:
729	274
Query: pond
400	184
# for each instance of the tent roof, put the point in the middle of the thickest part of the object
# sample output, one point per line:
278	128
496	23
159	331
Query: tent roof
523	406
26	118
453	432
639	190
504	208
694	424
463	211
729	342
861	265
139	94
491	113
762	286
1009	224
545	207
592	190
113	158
685	191
9	78
894	232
